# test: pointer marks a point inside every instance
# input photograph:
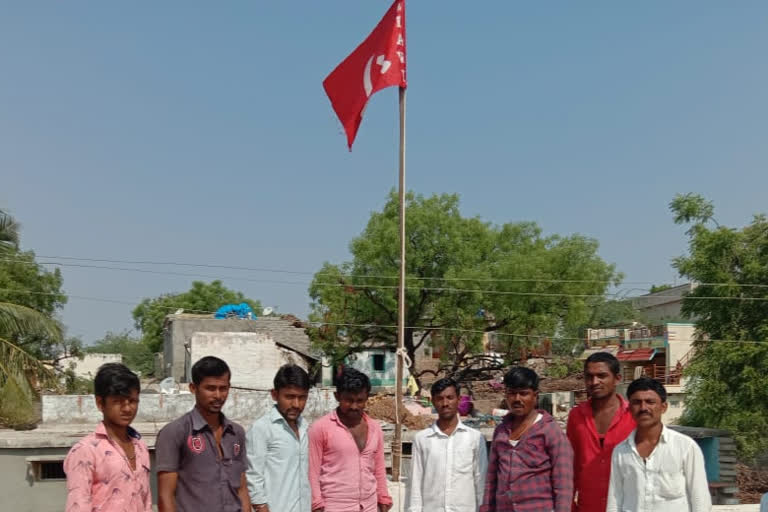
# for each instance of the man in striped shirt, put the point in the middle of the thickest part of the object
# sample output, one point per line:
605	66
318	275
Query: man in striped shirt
531	462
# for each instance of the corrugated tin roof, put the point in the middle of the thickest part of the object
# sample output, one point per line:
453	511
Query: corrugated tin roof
637	354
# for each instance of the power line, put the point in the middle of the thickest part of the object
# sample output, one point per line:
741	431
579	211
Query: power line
361	276
412	288
367	326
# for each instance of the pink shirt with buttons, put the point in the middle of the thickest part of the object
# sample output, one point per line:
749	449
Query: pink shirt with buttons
343	478
99	476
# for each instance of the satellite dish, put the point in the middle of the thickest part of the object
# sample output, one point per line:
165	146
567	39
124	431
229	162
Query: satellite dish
179	311
267	311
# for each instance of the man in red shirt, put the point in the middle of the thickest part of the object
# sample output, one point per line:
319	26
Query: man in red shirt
595	427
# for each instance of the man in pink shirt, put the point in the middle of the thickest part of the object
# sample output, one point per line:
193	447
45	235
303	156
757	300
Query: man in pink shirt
346	453
108	470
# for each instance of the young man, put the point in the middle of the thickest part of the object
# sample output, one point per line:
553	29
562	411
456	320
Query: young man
531	462
595	427
201	456
346	453
108	470
656	469
278	451
449	460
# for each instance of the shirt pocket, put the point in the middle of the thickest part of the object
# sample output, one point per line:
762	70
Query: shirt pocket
671	481
463	459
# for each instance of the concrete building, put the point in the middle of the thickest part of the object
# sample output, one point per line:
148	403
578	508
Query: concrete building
664	306
262	344
375	360
87	367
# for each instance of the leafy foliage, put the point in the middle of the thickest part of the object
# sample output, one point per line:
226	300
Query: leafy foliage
729	381
29	296
149	315
463	275
136	355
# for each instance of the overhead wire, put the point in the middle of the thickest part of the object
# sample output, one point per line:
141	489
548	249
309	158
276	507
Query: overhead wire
357	325
412	288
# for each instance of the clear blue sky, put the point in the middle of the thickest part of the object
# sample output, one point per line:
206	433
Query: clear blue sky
199	132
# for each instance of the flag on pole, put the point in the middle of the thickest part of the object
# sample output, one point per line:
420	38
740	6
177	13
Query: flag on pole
378	62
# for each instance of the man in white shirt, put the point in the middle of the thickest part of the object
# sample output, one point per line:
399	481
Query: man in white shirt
656	469
449	460
278	450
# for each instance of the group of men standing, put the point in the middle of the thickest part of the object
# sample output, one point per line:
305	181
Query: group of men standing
616	454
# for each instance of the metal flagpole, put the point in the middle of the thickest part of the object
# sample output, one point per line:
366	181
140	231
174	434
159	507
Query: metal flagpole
400	355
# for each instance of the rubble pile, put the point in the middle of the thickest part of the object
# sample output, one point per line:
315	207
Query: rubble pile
752	482
383	408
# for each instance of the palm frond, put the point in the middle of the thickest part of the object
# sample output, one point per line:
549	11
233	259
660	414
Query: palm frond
18	320
9	233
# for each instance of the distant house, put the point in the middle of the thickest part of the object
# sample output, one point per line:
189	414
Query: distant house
253	348
375	359
664	306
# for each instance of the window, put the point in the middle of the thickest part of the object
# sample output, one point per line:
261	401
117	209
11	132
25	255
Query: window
378	362
50	467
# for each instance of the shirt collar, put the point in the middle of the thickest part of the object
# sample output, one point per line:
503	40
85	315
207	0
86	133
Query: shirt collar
437	432
199	423
276	417
335	418
101	431
664	438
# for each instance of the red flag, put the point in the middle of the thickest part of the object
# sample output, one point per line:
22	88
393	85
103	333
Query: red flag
378	62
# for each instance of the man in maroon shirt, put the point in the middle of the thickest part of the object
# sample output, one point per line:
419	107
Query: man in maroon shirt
530	468
595	427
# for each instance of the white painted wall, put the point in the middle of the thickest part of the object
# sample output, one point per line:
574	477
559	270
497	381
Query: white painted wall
252	357
89	365
680	339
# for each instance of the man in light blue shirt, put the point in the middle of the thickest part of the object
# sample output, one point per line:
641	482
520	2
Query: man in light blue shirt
277	448
764	503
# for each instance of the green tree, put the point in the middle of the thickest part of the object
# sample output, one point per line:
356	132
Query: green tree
465	277
729	380
22	319
149	315
136	355
656	288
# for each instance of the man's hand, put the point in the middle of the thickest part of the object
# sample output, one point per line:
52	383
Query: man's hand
384	508
261	508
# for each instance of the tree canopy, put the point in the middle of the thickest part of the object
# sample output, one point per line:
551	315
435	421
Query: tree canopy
729	373
149	315
136	355
29	297
465	277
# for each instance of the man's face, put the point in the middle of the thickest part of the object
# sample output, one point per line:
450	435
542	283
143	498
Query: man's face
211	393
521	401
290	401
119	410
646	408
447	403
600	380
352	404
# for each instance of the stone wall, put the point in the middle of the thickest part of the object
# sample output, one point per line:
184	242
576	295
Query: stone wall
242	406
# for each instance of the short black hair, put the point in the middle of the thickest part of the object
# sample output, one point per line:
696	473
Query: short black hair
647	384
291	375
520	377
607	358
352	381
209	366
442	384
115	379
